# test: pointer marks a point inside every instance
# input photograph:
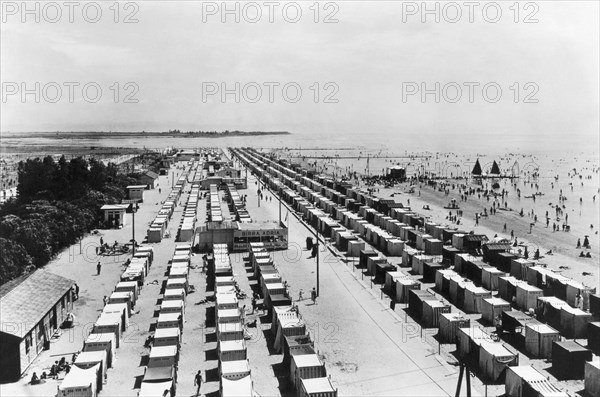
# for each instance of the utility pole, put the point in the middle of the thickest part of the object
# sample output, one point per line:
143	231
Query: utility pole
316	233
318	283
133	211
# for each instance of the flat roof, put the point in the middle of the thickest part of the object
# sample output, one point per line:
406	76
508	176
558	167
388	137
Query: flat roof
163	351
166	332
228	367
237	387
167	317
259	226
496	301
317	385
115	207
232	345
91	357
527	373
172	303
96	337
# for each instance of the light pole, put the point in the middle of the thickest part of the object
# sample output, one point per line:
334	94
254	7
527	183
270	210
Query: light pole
318	283
133	211
316	233
258	191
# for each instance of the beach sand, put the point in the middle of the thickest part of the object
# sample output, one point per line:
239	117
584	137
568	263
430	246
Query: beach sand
561	243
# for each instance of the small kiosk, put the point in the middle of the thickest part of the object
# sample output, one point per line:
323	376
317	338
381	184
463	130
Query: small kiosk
163	356
101	342
167	336
539	339
232	350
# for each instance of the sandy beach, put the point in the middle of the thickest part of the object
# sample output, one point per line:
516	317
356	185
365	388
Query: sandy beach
563	244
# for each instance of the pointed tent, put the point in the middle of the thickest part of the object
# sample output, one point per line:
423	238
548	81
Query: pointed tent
476	169
495	169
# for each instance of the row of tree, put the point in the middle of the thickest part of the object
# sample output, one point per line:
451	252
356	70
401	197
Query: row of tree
57	203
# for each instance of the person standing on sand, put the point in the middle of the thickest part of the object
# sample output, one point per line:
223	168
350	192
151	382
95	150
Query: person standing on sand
198	382
313	295
98	268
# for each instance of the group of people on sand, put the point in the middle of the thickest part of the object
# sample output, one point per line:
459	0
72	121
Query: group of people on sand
586	245
55	370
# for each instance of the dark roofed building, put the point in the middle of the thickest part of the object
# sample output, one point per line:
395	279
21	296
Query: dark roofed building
491	251
474	241
32	308
149	178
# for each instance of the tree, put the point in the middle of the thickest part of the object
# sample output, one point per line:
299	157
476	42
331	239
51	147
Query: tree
58	202
14	260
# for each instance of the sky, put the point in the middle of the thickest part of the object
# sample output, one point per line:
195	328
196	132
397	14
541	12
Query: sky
360	67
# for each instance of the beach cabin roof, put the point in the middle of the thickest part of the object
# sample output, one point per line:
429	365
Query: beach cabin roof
27	299
80	378
163	351
475	237
115	207
496	247
307	360
237	387
155	374
232	345
238	366
166	332
91	357
101	337
151	388
317	385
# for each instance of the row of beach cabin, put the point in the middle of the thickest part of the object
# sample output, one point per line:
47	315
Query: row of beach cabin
89	371
187	227
234	367
305	370
215	214
159	226
161	370
236	204
423	250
